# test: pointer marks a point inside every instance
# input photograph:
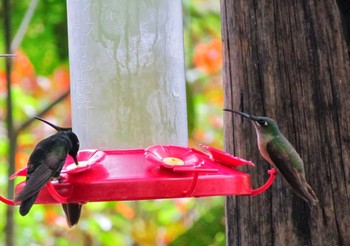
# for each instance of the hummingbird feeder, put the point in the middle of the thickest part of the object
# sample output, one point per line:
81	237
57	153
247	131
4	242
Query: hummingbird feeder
128	91
157	172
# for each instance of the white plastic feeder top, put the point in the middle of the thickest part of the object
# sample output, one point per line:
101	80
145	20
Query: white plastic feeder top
127	73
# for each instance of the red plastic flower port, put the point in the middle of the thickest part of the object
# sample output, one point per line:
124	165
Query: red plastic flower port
86	158
173	157
225	158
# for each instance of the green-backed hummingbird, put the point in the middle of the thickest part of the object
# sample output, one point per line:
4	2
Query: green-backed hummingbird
279	152
46	163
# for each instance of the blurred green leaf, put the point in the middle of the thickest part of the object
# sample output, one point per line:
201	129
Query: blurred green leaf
46	40
191	114
207	230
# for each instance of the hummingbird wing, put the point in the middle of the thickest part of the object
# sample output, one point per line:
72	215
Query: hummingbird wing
29	193
72	212
45	162
35	183
290	165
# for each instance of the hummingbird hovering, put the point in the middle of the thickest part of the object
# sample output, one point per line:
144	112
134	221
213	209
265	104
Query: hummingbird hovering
45	163
279	152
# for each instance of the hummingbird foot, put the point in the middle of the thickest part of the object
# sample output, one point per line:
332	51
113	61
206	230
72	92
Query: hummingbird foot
272	171
60	179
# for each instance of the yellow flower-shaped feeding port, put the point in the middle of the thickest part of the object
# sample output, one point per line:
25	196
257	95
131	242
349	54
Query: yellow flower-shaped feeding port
174	157
74	166
173	161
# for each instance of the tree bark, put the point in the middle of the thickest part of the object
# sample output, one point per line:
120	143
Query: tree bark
289	60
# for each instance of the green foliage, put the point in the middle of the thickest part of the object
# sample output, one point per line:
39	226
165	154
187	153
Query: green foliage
211	223
46	40
191	113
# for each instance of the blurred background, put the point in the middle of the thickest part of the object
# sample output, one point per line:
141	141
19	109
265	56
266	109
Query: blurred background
40	75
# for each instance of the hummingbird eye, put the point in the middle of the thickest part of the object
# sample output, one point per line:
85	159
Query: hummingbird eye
262	122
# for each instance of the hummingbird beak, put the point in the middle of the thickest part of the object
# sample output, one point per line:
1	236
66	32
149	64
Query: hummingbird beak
240	113
57	128
253	119
75	160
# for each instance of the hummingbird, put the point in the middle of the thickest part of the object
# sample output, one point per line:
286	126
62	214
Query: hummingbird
46	163
279	152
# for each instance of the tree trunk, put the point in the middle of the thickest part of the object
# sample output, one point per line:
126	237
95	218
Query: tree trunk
289	60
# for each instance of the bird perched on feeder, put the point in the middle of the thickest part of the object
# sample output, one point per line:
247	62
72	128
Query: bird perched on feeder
277	150
45	163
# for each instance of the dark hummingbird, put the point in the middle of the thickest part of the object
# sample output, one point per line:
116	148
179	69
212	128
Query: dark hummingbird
279	152
45	163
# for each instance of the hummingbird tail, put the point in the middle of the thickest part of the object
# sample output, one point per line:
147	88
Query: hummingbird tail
72	212
26	205
311	198
304	190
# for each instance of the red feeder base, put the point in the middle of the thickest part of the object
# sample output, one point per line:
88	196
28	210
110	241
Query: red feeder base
153	173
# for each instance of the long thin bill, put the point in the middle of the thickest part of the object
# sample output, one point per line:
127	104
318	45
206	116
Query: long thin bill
237	112
57	128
